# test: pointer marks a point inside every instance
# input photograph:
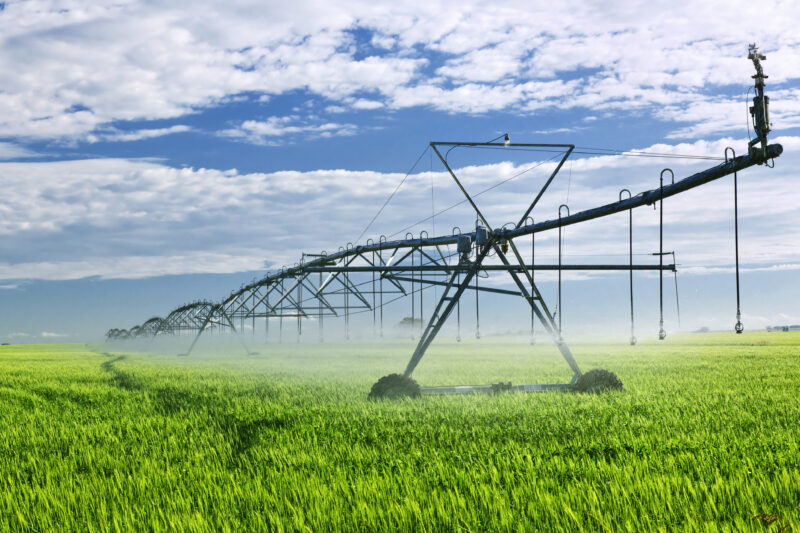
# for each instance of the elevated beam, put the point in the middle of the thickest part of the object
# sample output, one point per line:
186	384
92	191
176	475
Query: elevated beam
503	268
644	198
650	197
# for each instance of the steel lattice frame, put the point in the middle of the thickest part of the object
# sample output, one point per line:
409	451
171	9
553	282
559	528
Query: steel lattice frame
360	278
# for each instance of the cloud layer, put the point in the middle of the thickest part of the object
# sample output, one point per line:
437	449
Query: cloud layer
119	218
72	69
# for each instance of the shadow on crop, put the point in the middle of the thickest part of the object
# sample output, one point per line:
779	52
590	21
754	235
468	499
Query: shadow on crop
120	378
242	434
768	519
65	397
167	400
56	397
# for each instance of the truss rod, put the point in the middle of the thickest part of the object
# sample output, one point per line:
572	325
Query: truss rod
644	198
471	287
503	268
651	196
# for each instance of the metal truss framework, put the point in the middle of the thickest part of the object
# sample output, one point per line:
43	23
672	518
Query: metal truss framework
365	278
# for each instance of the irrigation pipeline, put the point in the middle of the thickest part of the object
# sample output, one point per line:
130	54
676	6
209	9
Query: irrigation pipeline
202	314
661	332
738	327
340	261
560	305
606	152
650	197
630	261
533	285
643	198
427	262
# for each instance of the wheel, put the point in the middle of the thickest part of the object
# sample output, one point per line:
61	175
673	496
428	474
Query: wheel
394	386
598	380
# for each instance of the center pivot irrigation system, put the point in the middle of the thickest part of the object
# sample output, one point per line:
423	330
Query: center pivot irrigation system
366	278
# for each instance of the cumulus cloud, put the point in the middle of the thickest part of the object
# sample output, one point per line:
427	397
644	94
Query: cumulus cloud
713	116
42	335
14	151
364	103
558	130
783	267
119	218
137	267
136	135
72	68
275	131
52	335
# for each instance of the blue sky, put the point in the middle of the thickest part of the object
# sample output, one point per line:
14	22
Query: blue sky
154	152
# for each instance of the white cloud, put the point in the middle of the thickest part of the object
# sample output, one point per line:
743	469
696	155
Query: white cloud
700	270
386	42
136	267
491	65
42	335
713	116
15	151
51	335
558	130
118	218
282	130
363	103
136	135
73	68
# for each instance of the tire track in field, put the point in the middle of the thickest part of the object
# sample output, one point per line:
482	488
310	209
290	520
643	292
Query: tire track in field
169	401
120	378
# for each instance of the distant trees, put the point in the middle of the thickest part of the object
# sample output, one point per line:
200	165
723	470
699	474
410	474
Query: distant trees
409	323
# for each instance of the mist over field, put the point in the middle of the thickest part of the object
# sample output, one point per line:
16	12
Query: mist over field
152	157
271	266
703	436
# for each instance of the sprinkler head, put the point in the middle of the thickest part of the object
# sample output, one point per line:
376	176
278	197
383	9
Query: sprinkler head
633	340
739	327
661	334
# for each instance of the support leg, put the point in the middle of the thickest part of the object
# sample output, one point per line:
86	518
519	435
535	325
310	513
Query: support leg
199	332
233	328
438	318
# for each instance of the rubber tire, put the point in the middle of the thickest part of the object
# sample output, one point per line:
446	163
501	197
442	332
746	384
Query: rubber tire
598	380
394	386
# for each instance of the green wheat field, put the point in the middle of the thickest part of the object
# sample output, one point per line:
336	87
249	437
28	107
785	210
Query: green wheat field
706	437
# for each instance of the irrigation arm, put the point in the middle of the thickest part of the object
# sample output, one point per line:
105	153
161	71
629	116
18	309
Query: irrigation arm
643	198
325	263
650	197
464	268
